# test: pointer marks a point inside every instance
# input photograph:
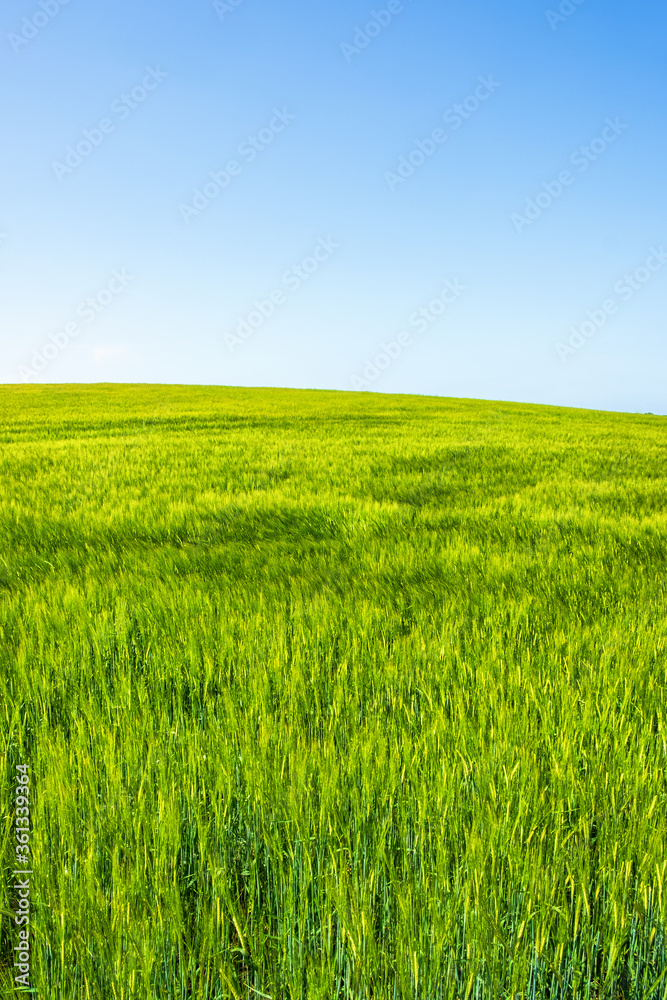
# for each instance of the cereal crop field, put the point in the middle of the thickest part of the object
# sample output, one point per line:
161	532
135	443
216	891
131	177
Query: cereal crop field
333	696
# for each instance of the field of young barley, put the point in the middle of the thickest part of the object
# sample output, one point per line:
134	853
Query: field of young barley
333	696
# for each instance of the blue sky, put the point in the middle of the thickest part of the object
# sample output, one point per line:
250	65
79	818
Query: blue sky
325	253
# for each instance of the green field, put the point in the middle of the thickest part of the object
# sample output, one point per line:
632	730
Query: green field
333	696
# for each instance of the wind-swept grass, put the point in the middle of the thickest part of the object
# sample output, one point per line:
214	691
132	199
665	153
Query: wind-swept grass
334	696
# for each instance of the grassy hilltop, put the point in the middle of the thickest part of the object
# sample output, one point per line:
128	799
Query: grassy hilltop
334	696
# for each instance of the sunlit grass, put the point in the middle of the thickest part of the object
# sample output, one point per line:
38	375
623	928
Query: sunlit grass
332	695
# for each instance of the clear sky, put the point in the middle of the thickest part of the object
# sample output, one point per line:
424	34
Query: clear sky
462	199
